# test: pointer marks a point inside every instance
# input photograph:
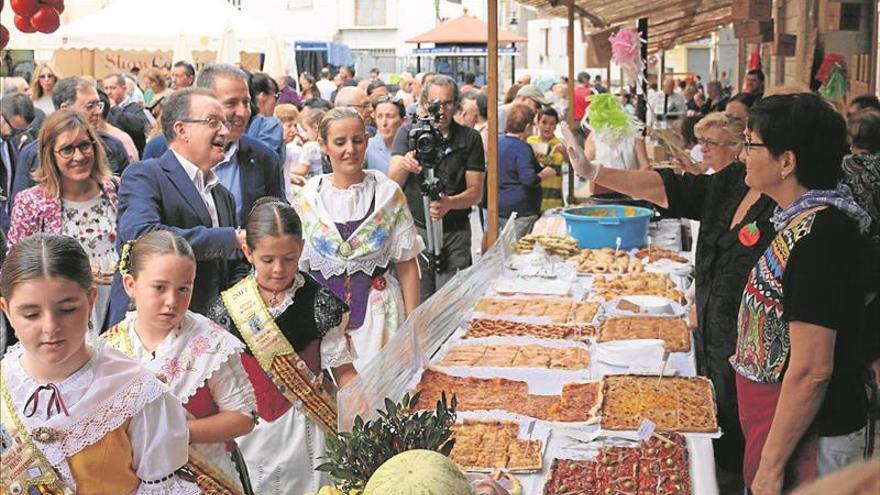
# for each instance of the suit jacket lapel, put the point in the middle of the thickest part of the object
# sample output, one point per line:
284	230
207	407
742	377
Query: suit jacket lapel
247	175
177	176
225	210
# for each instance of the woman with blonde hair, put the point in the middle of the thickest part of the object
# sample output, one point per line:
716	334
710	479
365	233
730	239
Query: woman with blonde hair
75	195
42	83
158	85
357	228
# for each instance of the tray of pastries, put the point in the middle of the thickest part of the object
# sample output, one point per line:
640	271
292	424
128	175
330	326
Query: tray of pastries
556	310
672	403
489	445
674	333
578	403
482	327
607	260
637	284
655	466
562	246
517	356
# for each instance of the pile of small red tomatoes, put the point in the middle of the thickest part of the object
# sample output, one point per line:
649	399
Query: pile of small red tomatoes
32	16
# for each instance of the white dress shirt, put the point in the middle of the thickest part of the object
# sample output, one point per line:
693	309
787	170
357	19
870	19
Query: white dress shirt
204	182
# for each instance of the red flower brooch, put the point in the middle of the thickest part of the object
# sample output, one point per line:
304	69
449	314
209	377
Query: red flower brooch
749	234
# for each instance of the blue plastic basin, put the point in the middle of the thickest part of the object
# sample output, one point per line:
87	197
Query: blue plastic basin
600	226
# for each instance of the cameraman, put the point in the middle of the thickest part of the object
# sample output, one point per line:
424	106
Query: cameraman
461	171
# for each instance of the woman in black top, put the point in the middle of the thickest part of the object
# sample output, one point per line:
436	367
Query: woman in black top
734	231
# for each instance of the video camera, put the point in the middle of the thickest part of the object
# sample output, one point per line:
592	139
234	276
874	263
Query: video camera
425	138
429	147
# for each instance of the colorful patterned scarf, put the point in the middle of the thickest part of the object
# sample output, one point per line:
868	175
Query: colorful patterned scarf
822	197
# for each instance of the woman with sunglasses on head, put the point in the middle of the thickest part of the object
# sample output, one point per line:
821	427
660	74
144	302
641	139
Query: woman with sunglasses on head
42	83
734	230
389	114
75	195
798	361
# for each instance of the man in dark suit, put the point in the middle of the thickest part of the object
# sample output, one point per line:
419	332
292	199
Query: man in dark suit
78	94
180	192
248	168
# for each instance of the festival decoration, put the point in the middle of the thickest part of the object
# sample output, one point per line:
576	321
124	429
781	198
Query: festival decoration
832	75
626	51
749	234
33	16
609	121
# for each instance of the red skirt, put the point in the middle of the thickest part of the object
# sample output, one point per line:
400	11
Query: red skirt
757	405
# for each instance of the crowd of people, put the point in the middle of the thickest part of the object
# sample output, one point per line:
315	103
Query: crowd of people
254	242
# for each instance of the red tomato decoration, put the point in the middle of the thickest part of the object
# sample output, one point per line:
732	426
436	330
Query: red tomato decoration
58	5
24	8
46	20
4	35
23	24
749	234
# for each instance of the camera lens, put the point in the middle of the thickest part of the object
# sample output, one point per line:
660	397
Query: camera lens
426	143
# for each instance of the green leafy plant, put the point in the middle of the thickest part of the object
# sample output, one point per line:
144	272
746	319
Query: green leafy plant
352	457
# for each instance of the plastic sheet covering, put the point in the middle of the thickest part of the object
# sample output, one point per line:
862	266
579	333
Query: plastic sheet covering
391	372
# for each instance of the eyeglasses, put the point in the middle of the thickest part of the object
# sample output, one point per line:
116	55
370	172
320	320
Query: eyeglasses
213	123
750	145
94	105
446	105
85	147
704	143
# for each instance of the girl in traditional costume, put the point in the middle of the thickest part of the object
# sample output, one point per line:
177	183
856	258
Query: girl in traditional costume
197	358
76	418
295	331
357	227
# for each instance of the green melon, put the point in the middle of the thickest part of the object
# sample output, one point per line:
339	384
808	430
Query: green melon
418	472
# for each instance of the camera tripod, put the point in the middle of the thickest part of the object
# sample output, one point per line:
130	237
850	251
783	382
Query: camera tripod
431	188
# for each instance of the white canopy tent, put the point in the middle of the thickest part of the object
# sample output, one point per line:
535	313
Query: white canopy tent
156	25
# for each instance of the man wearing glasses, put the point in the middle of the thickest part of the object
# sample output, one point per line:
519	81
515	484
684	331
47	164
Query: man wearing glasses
78	94
180	191
461	171
356	98
248	168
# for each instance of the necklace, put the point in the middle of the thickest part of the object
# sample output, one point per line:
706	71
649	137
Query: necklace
273	301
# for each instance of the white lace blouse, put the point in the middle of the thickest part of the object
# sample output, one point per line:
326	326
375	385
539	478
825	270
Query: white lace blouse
158	430
228	382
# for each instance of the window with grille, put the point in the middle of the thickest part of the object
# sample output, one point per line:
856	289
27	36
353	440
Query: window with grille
369	12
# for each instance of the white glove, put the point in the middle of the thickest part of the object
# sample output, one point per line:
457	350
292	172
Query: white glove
579	161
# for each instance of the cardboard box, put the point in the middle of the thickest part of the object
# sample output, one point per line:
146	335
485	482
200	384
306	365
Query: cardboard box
843	16
599	48
785	45
754	29
752	10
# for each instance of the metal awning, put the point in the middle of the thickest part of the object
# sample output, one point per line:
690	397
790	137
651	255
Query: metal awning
670	22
